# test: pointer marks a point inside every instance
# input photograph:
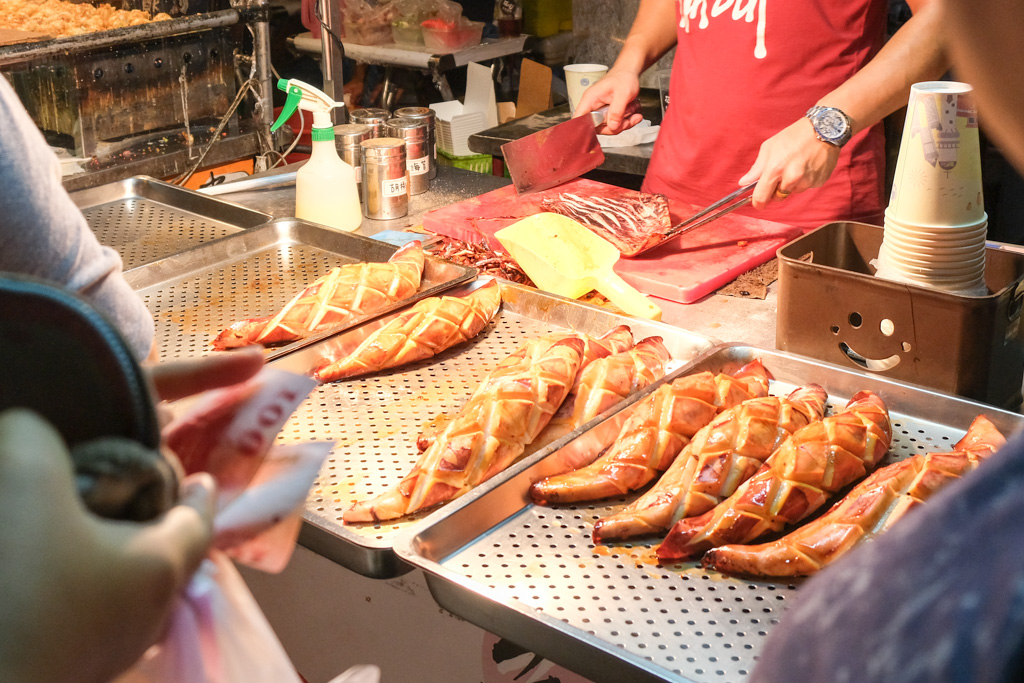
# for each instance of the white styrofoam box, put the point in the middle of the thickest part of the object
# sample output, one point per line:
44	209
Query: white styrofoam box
454	126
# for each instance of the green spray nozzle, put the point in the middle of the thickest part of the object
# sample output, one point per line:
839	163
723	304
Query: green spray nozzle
308	98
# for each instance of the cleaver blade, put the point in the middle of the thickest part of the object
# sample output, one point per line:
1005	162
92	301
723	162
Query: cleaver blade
558	154
554	155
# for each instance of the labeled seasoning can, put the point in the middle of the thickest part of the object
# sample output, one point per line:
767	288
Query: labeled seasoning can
374	118
423	114
348	138
385	179
417	151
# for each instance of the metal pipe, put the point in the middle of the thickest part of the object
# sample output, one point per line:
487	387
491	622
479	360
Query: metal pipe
264	109
333	56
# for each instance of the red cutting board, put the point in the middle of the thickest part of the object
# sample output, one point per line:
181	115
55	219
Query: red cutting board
684	269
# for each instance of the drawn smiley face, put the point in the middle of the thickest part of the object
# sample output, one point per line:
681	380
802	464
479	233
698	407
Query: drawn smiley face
866	334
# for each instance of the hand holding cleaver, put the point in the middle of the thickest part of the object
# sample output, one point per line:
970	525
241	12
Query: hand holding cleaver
558	154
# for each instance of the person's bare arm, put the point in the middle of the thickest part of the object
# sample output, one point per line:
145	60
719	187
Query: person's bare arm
987	44
795	160
652	34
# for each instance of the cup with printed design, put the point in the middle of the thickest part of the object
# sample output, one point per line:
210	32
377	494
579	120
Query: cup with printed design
937	181
579	77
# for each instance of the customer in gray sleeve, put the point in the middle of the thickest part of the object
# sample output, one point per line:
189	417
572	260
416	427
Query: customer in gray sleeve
43	234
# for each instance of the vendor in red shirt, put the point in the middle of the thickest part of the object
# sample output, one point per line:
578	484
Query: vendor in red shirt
745	79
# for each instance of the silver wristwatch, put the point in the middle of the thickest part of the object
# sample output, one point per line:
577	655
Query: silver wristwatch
831	125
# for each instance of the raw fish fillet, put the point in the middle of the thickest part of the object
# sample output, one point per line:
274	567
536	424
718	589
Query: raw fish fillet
630	223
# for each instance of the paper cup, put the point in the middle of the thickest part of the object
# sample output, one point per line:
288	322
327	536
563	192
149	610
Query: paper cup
944	253
941	231
915	238
579	77
938	172
939	268
936	247
961	286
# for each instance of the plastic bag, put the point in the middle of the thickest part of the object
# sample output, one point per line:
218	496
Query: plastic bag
217	633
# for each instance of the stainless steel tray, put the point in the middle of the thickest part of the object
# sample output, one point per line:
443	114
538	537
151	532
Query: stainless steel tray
195	294
531	573
375	420
145	219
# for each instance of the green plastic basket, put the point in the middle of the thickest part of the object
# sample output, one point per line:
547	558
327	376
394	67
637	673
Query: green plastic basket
481	163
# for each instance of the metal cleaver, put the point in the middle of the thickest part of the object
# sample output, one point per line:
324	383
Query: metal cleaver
557	154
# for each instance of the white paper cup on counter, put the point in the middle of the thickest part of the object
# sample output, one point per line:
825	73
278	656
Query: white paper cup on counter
579	77
938	172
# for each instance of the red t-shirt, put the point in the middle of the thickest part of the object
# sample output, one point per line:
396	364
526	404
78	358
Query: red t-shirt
746	69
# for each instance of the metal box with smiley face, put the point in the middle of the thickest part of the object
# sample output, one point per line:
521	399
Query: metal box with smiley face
832	308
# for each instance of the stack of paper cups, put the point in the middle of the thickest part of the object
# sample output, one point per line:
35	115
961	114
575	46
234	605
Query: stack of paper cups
935	224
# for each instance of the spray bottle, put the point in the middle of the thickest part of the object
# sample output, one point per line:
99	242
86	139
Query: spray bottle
325	186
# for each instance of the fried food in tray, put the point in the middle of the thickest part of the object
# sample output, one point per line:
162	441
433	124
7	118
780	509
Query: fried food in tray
339	296
721	456
487	436
657	430
61	19
509	410
815	463
607	381
426	329
870	508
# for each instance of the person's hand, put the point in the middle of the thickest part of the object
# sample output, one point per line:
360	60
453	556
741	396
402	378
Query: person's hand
792	160
617	89
82	597
181	378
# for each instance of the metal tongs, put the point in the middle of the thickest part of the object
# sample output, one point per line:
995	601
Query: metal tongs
730	202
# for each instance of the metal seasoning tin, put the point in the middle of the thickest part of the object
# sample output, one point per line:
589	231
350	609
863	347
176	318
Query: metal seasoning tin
417	151
348	138
374	118
385	189
423	114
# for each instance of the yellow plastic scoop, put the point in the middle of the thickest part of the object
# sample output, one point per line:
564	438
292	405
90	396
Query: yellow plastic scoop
563	257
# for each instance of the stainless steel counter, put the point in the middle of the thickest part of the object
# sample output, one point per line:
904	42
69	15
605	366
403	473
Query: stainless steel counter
721	318
451	185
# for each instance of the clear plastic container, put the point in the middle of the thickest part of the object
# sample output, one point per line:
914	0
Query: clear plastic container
362	33
407	35
450	38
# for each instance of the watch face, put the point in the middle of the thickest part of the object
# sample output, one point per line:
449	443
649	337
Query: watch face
830	124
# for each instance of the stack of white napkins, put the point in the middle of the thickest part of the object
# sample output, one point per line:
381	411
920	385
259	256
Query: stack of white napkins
641	133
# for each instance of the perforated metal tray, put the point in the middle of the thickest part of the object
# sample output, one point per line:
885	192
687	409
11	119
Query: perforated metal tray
375	420
531	573
145	219
195	294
